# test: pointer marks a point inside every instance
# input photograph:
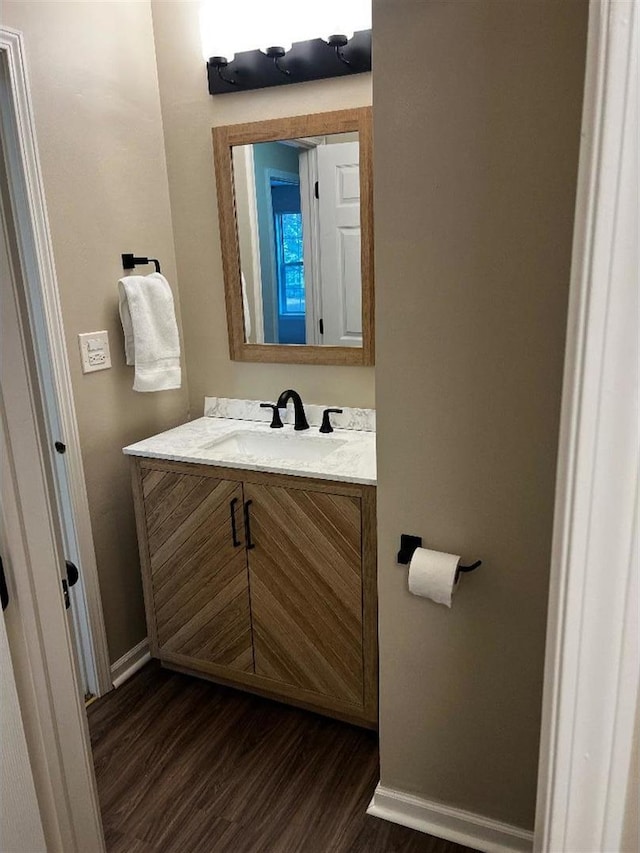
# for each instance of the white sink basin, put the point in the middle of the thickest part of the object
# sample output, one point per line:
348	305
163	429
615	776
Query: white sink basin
273	445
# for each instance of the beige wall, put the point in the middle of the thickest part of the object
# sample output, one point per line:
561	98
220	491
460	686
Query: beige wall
189	113
474	208
99	129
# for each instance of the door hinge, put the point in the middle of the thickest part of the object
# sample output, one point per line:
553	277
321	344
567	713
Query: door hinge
316	190
321	325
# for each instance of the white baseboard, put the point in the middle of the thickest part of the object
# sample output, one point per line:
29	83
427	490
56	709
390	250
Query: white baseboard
130	663
472	830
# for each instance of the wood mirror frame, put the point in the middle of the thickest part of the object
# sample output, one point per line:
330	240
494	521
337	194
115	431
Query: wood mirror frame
317	124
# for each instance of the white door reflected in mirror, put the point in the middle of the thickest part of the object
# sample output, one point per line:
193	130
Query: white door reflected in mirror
297	205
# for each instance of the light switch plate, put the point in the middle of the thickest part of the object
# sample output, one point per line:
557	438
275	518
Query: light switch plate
94	351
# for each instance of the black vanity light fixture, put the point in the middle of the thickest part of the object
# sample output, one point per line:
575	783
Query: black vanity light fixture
314	59
254	44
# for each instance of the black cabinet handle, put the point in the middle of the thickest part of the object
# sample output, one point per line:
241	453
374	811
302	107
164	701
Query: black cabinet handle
4	592
234	532
247	525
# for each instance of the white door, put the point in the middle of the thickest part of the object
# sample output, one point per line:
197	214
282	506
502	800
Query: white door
55	793
339	214
20	824
32	263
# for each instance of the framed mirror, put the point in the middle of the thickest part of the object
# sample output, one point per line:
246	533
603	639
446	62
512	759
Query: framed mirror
295	200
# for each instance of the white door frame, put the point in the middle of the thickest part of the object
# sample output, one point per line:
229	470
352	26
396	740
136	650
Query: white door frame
273	303
591	667
308	159
36	255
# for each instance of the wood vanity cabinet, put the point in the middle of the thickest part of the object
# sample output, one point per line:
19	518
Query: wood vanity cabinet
265	582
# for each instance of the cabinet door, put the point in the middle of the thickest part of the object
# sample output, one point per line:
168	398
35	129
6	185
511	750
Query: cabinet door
199	578
306	589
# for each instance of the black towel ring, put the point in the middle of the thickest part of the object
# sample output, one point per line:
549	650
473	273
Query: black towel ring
129	261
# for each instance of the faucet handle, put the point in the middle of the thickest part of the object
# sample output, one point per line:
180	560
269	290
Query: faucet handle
276	421
326	421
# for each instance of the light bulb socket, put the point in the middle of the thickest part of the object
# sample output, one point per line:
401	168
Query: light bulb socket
337	40
218	61
275	52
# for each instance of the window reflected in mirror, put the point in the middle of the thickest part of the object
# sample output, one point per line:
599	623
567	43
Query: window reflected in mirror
297	204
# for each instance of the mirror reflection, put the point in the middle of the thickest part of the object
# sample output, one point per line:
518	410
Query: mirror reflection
297	205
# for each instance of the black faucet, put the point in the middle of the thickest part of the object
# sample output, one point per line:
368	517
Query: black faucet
276	422
326	420
298	408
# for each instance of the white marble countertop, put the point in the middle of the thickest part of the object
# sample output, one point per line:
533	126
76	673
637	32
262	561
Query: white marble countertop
352	461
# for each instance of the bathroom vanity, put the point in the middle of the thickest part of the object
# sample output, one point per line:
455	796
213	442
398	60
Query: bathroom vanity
258	559
257	543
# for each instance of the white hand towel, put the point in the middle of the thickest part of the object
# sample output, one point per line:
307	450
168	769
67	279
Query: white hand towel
151	341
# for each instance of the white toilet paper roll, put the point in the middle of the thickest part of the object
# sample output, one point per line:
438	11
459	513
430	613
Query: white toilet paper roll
432	574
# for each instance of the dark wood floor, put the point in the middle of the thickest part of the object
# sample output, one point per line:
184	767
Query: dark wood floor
186	766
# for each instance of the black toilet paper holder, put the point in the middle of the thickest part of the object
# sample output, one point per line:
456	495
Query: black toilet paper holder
408	545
